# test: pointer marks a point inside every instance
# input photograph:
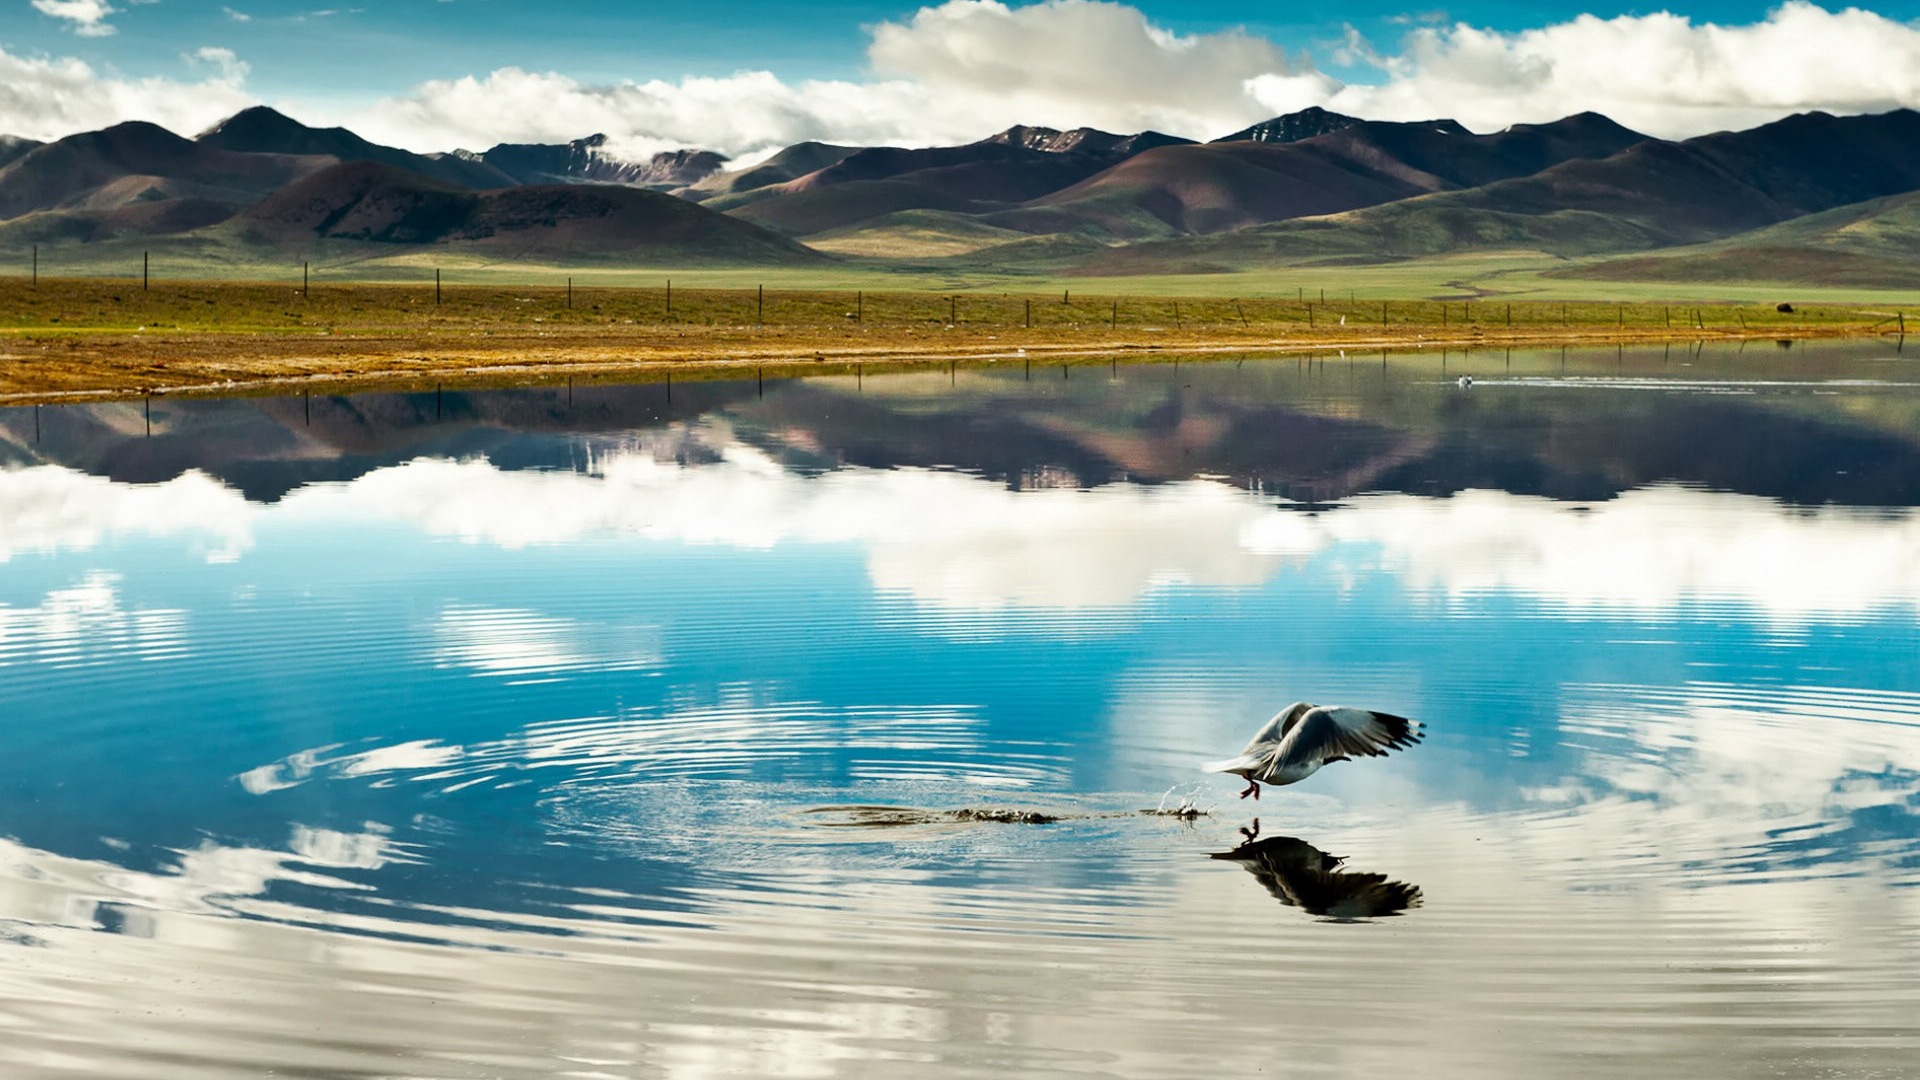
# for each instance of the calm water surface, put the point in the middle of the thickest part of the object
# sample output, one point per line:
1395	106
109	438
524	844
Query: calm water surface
537	733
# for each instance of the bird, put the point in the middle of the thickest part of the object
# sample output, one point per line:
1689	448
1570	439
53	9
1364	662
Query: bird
1302	737
1301	875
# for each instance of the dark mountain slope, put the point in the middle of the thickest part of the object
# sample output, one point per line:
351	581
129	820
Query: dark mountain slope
366	201
1873	244
13	148
72	171
803	213
587	161
1223	186
1012	167
790	164
261	130
1660	194
1294	127
1208	188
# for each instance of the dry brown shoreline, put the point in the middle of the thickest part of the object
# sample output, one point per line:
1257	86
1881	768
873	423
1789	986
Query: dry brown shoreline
102	365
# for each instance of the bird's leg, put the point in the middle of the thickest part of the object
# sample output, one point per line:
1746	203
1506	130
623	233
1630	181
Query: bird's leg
1252	832
1253	789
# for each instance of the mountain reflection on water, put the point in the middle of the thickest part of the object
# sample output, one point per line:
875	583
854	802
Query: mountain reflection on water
484	727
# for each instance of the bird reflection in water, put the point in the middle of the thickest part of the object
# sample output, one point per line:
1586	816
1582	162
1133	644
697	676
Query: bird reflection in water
1301	875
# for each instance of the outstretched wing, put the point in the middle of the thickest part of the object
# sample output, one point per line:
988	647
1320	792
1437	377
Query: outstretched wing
1276	729
1338	732
1265	742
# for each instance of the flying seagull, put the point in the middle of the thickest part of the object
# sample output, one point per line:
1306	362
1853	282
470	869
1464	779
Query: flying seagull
1302	737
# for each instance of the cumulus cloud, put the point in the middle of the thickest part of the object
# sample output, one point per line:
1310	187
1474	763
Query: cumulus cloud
1079	61
1661	73
966	68
89	17
48	98
950	73
231	68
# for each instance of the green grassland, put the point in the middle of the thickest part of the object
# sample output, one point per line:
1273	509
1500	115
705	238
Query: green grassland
482	298
1235	267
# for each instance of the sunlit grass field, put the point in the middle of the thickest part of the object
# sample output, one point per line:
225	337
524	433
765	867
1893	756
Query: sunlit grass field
480	298
1515	276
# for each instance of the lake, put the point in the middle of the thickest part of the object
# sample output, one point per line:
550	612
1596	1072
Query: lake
848	726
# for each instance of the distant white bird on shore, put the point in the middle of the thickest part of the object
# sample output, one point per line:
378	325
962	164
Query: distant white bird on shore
1302	737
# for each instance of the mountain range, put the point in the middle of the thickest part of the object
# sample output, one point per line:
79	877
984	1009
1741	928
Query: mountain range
1828	198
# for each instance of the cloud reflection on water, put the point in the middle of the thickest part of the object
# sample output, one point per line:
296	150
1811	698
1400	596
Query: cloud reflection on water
87	624
958	543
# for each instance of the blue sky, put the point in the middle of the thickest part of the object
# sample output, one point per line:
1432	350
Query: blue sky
321	49
437	73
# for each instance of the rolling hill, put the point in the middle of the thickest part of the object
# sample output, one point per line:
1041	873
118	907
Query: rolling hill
1653	194
1223	186
13	148
1872	244
261	130
137	161
587	161
998	172
377	204
789	164
1294	127
1811	198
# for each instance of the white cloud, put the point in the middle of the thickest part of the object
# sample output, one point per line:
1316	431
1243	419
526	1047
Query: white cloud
1084	61
232	69
969	67
1661	73
49	98
963	69
952	73
89	17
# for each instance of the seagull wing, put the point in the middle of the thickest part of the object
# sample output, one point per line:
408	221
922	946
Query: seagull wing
1261	748
1335	731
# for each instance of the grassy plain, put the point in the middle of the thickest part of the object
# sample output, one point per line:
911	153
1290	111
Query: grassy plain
1737	277
65	337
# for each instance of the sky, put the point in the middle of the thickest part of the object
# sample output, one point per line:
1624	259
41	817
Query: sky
750	76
